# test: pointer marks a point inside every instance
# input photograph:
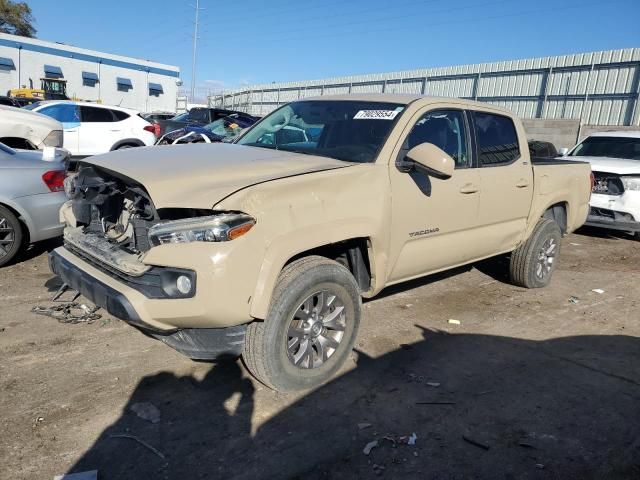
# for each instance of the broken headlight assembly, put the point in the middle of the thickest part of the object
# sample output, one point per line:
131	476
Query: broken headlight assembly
216	228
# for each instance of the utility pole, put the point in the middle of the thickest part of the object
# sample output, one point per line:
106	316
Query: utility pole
195	49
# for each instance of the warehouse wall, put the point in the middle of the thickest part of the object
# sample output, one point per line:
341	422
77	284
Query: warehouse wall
562	133
29	56
599	88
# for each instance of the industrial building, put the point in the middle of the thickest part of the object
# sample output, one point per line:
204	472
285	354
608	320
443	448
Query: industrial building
92	76
598	88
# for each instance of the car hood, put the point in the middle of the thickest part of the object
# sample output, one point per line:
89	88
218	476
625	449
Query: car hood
201	175
620	166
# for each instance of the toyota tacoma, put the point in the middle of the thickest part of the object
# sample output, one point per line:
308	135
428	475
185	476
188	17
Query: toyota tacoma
265	247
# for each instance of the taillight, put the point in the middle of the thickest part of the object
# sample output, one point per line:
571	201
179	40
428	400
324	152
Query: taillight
54	179
153	128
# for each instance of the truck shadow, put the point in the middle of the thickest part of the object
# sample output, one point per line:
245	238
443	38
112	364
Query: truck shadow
481	407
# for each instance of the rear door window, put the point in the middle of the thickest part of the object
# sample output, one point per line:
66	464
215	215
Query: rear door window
497	139
199	115
63	112
94	114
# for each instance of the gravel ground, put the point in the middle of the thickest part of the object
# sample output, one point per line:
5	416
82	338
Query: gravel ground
531	384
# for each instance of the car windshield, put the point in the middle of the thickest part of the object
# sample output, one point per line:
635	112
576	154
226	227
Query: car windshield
32	106
229	127
614	147
180	118
7	150
353	131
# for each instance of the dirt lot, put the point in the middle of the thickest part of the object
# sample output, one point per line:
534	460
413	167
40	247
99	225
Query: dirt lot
530	385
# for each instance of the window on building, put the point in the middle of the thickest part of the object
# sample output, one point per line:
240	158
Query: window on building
155	89
497	139
52	71
124	84
90	79
96	114
6	64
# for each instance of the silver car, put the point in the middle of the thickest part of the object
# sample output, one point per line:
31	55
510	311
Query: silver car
31	194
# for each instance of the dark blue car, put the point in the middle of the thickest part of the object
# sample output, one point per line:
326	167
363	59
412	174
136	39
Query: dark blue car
224	129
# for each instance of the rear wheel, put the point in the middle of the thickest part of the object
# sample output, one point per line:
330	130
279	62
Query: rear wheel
533	262
10	236
310	329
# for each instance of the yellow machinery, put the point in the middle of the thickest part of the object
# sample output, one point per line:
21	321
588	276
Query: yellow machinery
50	89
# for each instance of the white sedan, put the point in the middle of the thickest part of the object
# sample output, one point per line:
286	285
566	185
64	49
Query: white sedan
91	128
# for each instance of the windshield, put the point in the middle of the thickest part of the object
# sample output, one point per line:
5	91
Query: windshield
353	131
5	149
229	127
32	106
181	118
614	147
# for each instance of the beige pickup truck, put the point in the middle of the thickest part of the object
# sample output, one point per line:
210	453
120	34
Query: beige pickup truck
264	248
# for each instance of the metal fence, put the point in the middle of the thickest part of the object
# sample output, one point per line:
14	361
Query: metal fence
599	88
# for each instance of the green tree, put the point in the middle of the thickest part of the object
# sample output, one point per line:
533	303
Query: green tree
16	18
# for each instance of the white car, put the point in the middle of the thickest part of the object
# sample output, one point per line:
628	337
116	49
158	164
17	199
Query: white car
615	162
28	130
91	128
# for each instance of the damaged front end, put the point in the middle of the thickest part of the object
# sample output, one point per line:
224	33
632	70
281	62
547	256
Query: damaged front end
111	224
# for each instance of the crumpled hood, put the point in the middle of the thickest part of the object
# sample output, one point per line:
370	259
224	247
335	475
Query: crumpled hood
201	175
620	166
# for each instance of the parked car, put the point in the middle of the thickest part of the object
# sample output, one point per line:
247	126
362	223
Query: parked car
542	149
155	116
225	129
195	116
31	194
615	161
9	102
91	128
26	130
264	247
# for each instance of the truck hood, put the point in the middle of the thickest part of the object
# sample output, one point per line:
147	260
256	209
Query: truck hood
620	166
201	175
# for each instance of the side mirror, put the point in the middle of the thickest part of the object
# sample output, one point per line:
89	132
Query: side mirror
563	151
429	159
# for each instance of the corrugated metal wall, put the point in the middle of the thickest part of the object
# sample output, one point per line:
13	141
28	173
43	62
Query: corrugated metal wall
599	88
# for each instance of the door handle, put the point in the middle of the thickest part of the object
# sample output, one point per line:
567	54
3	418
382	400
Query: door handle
522	183
71	131
115	130
469	188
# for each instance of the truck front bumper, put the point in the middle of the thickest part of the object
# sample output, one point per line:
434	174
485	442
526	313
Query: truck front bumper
616	212
195	343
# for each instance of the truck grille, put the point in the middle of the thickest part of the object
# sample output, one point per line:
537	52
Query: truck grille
607	184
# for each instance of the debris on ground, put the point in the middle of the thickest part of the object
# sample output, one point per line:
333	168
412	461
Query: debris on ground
146	411
539	466
453	321
433	384
435	403
574	300
370	446
378	469
407	306
141	442
597	290
2	329
575	244
90	475
412	439
476	443
69	312
362	426
402	439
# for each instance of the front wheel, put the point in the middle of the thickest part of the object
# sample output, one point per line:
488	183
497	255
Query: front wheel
310	329
533	262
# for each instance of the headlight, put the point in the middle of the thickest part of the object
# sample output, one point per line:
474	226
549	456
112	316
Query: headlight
631	183
54	139
217	228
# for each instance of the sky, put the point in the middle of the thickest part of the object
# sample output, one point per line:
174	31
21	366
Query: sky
252	41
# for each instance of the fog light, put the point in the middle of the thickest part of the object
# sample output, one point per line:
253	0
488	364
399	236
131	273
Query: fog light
183	284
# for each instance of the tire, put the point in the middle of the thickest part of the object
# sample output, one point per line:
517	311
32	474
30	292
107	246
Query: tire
533	263
126	146
11	236
276	351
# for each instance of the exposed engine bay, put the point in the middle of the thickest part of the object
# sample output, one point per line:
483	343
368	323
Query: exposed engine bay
113	216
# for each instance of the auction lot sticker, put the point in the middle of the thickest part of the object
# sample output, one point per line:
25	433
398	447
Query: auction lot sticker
376	115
